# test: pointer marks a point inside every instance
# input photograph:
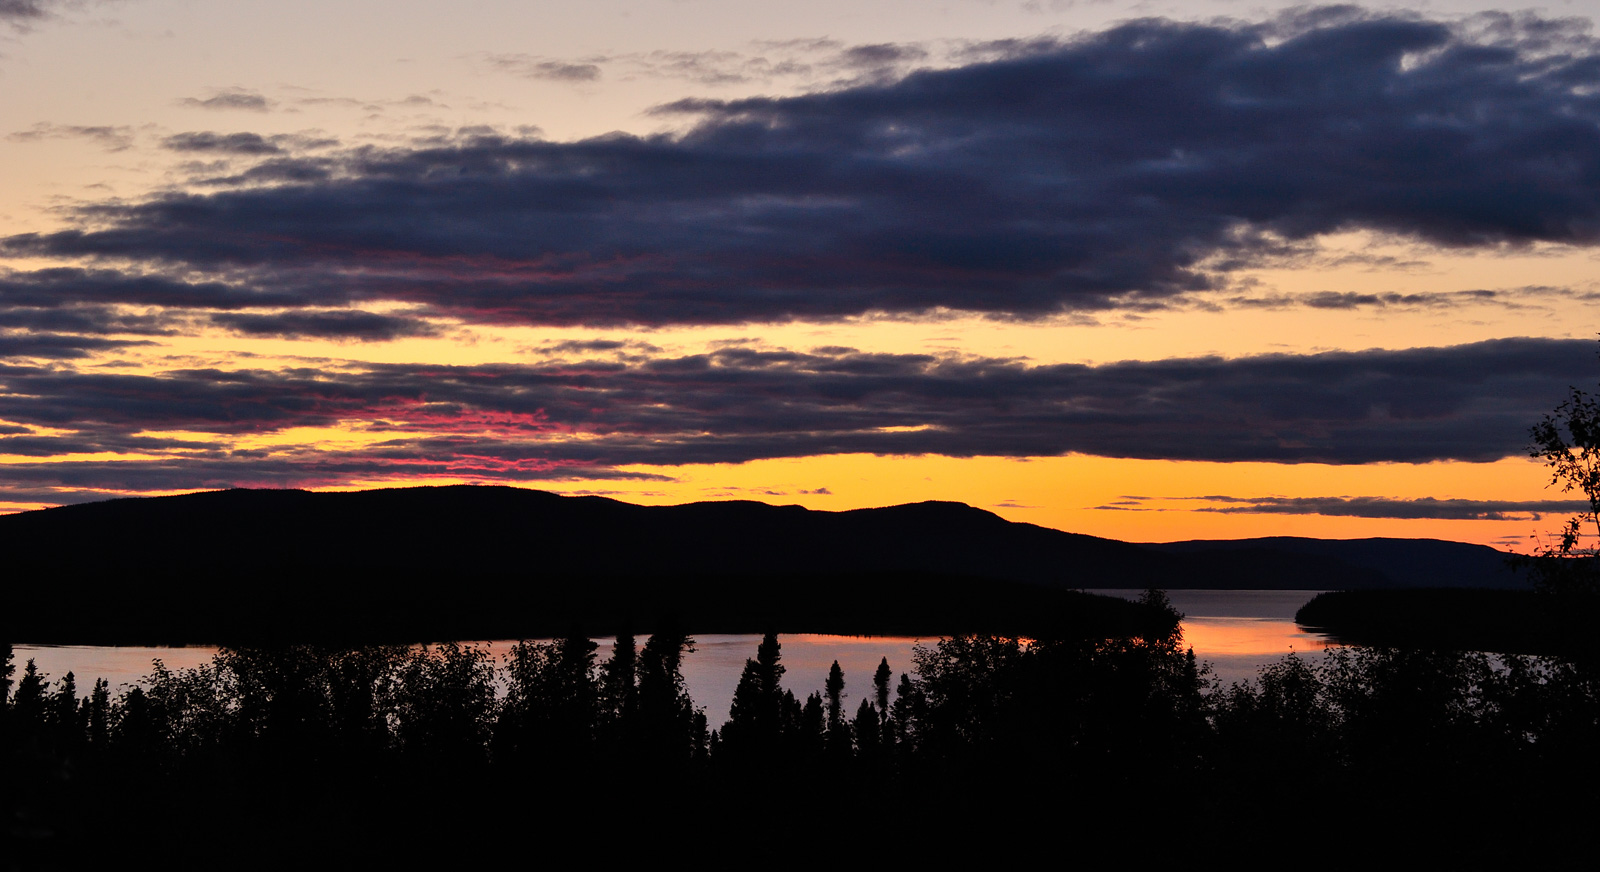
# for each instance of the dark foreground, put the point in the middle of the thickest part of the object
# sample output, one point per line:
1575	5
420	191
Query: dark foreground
1115	748
1505	621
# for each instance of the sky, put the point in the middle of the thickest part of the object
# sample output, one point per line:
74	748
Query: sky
1153	271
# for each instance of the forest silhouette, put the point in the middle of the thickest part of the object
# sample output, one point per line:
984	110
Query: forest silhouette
300	750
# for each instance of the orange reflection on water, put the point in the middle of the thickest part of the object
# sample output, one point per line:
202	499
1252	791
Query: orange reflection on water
1218	637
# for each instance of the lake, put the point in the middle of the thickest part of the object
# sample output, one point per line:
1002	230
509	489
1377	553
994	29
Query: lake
1236	631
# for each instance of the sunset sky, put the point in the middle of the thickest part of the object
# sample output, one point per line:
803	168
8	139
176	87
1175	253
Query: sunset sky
1153	271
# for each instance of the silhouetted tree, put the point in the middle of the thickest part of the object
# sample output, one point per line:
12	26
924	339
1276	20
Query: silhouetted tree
791	717
741	736
668	732
880	685
7	669
137	730
97	714
61	716
868	730
756	718
619	681
28	706
552	702
769	672
1568	441
812	727
906	712
838	730
445	705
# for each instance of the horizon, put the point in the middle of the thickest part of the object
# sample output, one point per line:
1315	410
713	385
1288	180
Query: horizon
1148	271
766	503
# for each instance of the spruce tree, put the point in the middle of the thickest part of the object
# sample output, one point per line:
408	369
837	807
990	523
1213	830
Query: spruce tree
880	685
619	681
7	669
838	735
28	705
61	715
666	714
98	714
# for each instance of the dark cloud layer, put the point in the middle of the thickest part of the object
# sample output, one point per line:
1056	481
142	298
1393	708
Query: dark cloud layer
57	346
349	324
15	10
1470	402
225	143
1380	507
230	98
112	138
1113	169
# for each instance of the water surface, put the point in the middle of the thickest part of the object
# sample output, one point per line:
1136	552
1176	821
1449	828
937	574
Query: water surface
1236	631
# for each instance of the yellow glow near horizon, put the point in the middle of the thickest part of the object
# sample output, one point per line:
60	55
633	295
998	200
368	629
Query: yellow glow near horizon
1065	492
1068	493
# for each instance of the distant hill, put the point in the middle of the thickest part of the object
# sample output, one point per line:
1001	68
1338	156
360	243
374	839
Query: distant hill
499	561
1402	563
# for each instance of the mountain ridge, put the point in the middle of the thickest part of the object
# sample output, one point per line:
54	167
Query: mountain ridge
474	557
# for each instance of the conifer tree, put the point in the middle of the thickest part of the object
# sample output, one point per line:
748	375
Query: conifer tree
575	694
769	672
97	714
811	726
619	682
756	716
28	705
742	733
868	730
880	685
838	734
907	711
666	714
7	669
61	715
834	688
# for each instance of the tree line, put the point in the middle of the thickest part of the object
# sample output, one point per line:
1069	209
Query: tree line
1117	721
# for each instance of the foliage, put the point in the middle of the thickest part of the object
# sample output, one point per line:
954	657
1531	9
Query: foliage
1111	722
1568	441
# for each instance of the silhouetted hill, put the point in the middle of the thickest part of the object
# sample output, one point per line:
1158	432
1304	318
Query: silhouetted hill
1503	621
1404	563
481	562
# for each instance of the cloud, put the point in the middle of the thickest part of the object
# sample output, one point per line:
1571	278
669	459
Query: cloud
91	319
67	287
230	98
1116	169
1382	507
13	10
222	143
882	54
111	138
58	346
597	416
532	67
363	326
309	468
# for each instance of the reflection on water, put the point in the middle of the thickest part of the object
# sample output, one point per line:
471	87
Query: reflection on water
122	665
711	672
1236	631
1239	631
